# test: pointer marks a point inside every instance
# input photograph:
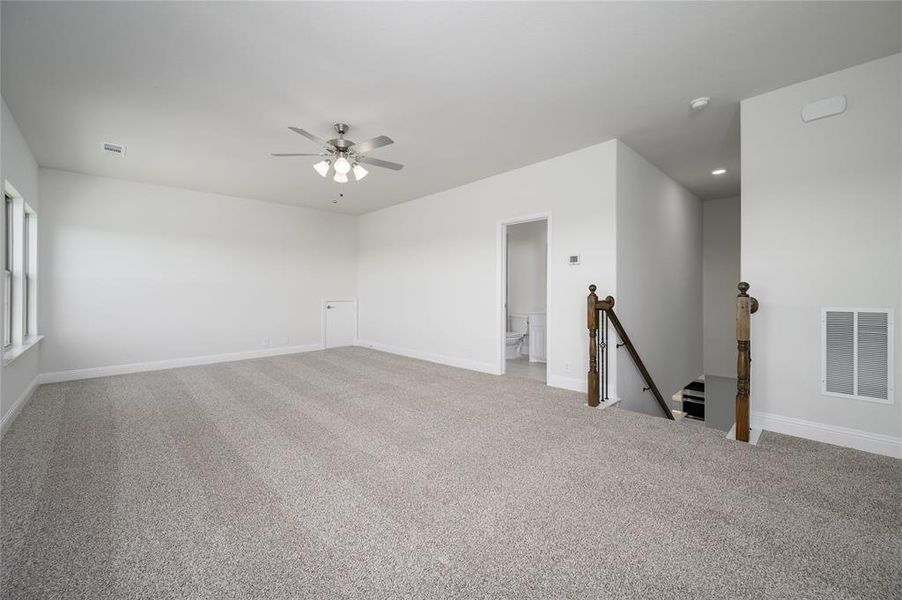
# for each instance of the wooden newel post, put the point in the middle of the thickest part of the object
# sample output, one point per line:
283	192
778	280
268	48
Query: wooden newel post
592	389
745	306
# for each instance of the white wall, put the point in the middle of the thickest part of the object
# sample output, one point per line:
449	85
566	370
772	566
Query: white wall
526	267
659	280
135	273
429	269
720	276
821	227
18	167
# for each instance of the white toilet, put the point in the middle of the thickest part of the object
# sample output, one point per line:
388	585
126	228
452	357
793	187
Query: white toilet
517	336
512	345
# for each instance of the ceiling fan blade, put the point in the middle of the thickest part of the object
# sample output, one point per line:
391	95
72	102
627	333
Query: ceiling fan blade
380	163
297	154
376	142
310	136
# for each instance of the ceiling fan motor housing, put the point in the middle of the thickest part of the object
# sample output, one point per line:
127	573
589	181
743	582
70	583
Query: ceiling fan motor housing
339	142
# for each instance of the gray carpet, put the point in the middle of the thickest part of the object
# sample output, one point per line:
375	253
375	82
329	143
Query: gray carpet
356	474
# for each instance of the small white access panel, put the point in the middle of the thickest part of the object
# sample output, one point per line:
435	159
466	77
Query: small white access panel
339	322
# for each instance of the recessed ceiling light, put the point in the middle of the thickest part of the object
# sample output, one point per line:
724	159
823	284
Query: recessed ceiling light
699	103
718	171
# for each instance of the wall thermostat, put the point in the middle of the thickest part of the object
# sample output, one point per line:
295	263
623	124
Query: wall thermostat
573	259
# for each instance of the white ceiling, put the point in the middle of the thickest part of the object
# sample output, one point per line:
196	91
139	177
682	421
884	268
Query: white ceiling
201	93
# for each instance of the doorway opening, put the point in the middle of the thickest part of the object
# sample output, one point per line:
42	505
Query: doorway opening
523	346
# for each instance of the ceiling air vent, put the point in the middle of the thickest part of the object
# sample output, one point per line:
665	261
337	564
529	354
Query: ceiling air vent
857	354
114	149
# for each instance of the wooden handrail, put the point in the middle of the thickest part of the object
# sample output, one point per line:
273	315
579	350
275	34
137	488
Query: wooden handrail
746	306
594	305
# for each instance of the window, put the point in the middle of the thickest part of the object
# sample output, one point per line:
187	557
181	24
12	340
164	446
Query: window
8	272
857	354
19	274
30	300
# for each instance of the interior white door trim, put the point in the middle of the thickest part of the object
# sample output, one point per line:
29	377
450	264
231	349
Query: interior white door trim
323	309
501	288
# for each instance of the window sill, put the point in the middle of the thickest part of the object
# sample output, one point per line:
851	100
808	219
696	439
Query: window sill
13	352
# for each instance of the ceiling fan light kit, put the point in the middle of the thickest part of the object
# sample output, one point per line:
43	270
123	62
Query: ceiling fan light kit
342	165
359	172
344	155
322	167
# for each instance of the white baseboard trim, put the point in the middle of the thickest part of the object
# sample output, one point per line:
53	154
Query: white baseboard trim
159	365
574	384
17	407
577	384
451	361
830	434
567	383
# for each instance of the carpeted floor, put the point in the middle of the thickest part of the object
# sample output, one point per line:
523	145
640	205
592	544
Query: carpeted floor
356	474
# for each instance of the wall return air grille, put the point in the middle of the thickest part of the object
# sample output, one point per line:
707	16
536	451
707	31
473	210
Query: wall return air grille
857	354
114	149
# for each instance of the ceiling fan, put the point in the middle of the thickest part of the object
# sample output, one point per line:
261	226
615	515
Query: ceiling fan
345	156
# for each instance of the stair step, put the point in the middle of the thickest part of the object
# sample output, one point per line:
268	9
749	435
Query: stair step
696	386
694	409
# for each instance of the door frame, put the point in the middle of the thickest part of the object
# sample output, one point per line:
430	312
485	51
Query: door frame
326	301
501	285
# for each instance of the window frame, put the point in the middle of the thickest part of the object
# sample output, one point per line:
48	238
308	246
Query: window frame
20	247
29	289
8	281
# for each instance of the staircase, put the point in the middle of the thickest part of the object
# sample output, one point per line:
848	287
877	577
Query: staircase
599	313
693	400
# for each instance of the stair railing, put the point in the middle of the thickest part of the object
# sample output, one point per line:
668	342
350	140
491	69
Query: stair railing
746	306
595	308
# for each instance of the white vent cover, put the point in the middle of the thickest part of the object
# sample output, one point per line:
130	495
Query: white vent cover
114	149
857	354
821	109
